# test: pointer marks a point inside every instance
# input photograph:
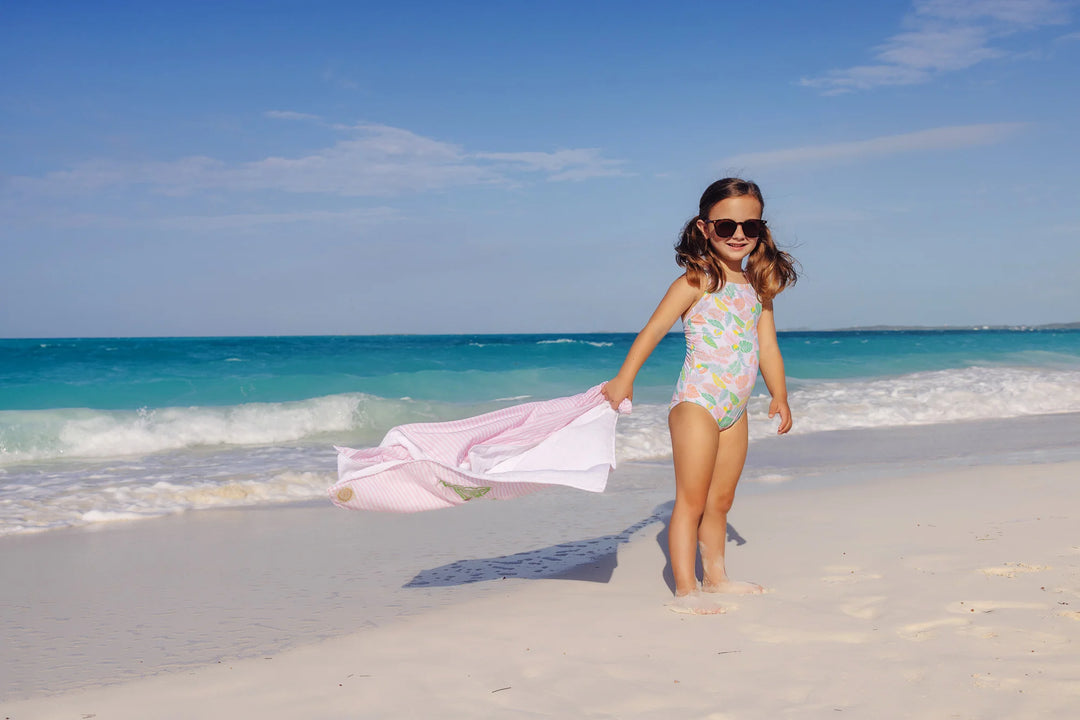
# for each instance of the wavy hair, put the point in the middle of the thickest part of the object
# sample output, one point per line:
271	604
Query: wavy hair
768	268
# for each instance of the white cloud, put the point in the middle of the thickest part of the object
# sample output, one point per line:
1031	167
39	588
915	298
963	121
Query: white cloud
942	36
377	161
937	49
331	75
290	115
944	138
359	217
354	218
562	164
373	161
1024	12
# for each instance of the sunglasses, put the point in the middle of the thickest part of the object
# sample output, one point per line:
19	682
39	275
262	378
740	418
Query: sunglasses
726	228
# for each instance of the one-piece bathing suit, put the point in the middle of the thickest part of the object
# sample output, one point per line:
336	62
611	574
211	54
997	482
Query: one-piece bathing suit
721	352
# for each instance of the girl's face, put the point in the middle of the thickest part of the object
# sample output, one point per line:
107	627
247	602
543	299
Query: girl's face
732	250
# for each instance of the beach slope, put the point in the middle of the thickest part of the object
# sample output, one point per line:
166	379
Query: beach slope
945	594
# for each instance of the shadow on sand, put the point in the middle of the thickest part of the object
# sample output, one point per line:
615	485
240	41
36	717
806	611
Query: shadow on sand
591	560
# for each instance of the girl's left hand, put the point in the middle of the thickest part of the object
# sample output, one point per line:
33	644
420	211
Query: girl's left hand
778	406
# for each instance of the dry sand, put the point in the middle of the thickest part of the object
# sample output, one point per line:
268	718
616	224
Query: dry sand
951	594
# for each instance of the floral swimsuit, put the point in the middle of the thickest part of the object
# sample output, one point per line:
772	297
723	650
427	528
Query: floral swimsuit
721	352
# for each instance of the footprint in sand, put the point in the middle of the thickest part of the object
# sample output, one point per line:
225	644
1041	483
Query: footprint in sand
864	608
698	603
926	630
913	675
1012	569
847	574
986	680
775	635
965	607
982	607
964	627
1066	591
982	632
1010	636
971	610
931	564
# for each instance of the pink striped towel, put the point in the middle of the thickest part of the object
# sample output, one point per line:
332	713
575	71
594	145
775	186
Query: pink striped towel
503	454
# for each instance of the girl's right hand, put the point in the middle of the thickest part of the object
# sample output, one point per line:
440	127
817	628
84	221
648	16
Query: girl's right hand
616	390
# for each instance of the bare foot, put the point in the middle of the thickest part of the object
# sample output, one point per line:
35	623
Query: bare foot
732	587
694	603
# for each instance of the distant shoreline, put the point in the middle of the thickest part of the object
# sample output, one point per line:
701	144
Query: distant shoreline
953	328
676	330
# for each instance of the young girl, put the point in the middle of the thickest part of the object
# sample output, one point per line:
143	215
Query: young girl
733	272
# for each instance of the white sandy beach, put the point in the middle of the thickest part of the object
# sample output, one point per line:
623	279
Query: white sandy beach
950	593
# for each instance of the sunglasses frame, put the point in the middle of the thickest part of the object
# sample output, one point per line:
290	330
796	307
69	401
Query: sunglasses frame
738	224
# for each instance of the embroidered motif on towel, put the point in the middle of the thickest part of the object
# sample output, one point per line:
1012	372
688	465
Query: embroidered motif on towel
465	492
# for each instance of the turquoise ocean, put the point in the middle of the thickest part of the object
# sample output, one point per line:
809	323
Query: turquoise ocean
100	430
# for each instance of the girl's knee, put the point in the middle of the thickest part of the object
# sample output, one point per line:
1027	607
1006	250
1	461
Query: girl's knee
690	509
720	503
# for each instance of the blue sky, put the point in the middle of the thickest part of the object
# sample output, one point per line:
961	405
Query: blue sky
225	168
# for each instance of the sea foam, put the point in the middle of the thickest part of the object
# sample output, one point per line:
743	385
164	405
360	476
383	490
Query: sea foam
124	497
925	398
38	435
972	393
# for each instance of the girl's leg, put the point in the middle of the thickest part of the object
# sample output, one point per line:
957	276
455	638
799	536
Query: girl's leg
712	533
694	437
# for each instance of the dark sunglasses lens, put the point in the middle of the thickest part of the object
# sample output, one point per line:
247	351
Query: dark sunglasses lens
726	228
751	228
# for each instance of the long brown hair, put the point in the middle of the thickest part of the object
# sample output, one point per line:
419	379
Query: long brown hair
768	268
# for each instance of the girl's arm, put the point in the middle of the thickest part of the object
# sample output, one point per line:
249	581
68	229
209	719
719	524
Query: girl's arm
678	299
772	367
